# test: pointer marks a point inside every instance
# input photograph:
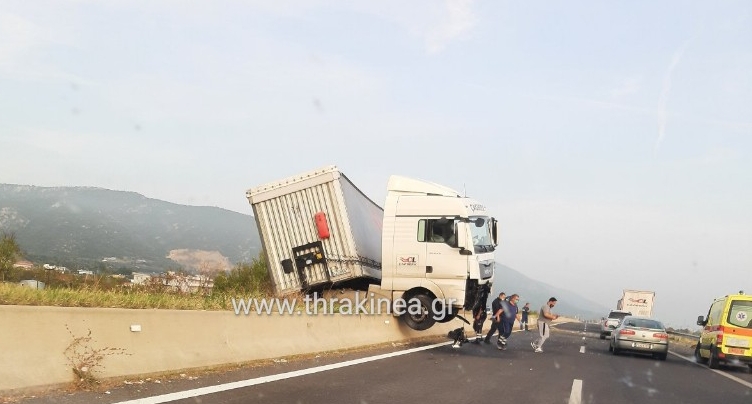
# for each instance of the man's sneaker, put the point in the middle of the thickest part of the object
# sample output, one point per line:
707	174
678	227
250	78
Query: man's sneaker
457	344
487	341
532	344
538	350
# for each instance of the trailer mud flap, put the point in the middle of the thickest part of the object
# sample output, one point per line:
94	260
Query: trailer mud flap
308	255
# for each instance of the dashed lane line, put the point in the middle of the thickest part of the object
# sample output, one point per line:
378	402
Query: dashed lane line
575	397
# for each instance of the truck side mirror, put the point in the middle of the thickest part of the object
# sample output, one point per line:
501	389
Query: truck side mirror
701	321
494	232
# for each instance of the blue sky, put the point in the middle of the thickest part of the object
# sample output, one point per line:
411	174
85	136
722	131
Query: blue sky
612	140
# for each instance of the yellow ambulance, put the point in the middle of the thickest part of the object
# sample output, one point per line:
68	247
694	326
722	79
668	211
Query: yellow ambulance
727	332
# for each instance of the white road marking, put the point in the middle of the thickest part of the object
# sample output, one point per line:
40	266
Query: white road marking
582	349
724	374
575	397
180	395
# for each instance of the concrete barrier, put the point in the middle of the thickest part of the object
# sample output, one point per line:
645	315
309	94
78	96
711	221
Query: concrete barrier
33	339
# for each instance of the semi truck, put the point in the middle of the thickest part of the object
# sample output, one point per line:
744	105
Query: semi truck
637	302
429	251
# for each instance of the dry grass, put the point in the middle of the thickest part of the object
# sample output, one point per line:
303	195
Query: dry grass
127	298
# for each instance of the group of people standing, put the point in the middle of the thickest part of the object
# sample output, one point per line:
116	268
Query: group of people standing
504	312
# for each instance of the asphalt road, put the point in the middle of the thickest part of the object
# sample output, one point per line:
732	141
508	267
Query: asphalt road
575	367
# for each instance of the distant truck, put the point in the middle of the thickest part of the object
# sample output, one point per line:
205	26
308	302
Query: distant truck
430	251
637	302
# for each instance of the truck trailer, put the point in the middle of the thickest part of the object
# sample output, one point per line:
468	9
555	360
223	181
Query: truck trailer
429	251
317	229
637	302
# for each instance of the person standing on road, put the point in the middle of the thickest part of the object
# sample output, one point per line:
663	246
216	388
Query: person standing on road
544	324
524	316
510	313
496	311
479	314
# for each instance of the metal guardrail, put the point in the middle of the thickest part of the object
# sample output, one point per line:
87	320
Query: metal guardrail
683	334
674	333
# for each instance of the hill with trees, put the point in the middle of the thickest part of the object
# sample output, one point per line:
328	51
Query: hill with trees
95	228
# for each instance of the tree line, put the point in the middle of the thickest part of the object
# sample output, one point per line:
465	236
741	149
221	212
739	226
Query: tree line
244	278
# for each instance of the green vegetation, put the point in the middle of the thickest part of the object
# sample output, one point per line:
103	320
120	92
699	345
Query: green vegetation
13	294
9	252
68	290
245	279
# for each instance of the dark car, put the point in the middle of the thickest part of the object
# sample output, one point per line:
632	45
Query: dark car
640	335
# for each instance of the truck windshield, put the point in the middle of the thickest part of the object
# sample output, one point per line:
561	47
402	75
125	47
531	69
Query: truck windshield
480	229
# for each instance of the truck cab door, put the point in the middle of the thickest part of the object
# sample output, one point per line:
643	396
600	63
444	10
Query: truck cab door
444	265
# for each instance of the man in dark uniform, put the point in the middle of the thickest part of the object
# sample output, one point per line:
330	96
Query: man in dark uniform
495	317
525	312
479	313
508	316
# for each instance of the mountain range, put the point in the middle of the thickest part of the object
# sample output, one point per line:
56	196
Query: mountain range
95	228
537	294
92	228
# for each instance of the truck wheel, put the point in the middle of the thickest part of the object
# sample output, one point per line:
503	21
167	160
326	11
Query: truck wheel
713	361
422	320
698	357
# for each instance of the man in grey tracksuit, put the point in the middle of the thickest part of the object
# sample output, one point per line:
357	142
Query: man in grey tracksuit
544	324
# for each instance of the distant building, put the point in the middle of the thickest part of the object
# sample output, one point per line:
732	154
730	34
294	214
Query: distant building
140	278
23	264
175	281
85	272
30	283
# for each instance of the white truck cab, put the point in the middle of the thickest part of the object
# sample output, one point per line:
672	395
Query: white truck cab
437	250
430	250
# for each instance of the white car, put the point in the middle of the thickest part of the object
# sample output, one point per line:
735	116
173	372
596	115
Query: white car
612	321
640	335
